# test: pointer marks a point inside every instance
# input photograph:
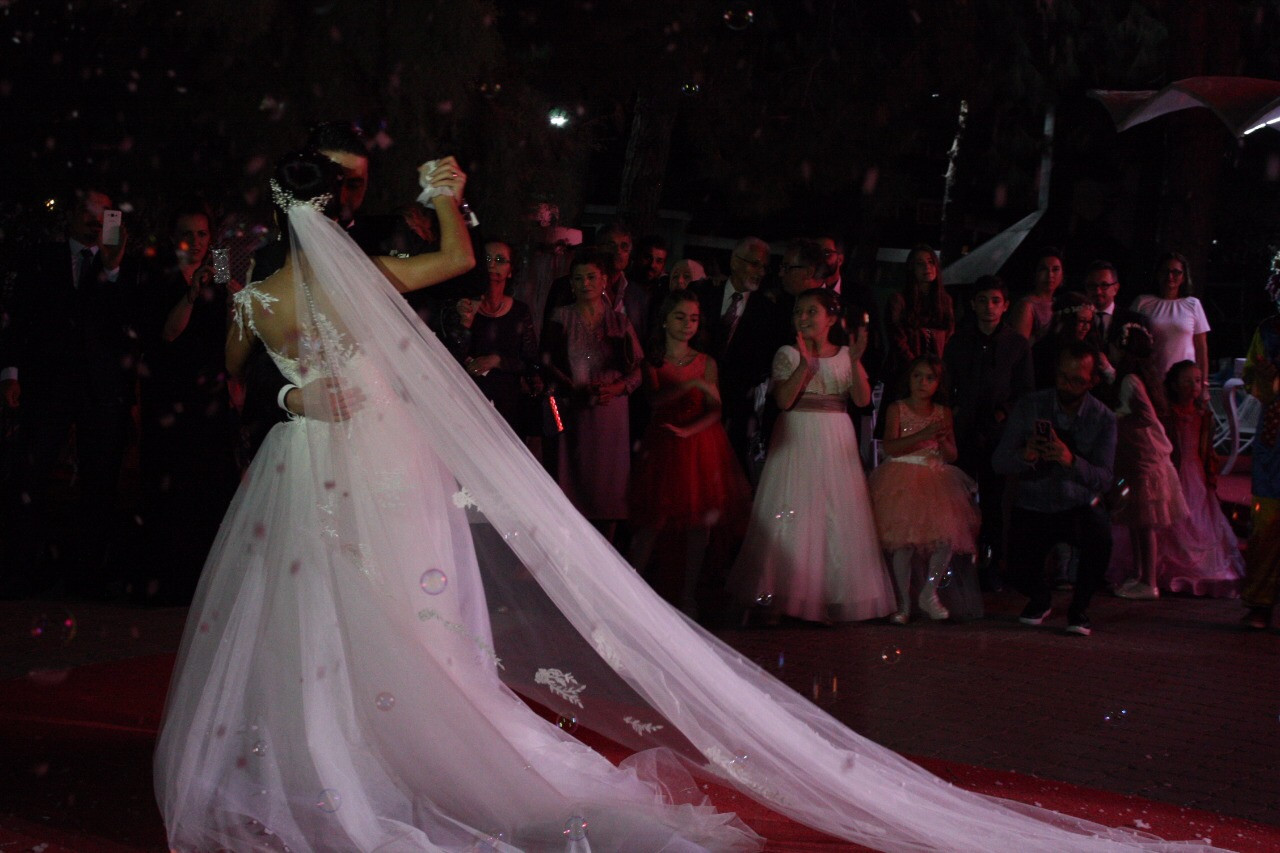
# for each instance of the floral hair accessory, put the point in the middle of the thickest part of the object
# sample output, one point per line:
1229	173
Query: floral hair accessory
1130	329
286	200
1073	309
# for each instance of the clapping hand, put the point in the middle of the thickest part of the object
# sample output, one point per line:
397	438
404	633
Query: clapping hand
808	359
858	344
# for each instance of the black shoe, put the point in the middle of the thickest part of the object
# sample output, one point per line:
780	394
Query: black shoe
1034	614
1079	625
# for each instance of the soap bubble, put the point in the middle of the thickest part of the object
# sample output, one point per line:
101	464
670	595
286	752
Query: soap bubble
568	724
575	828
433	581
890	654
329	800
384	701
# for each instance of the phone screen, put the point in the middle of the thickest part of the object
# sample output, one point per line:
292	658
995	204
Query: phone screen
111	228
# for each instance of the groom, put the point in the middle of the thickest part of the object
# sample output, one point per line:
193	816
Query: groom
269	397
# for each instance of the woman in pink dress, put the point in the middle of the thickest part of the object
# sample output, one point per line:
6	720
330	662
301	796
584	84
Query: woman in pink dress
686	478
1201	556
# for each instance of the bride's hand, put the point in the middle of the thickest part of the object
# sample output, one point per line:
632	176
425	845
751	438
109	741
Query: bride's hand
341	401
448	174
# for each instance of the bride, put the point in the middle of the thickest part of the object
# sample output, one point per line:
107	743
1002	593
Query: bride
396	572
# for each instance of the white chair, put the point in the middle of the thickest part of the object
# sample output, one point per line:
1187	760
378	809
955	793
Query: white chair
1243	413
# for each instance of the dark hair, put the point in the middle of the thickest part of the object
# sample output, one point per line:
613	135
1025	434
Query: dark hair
190	206
931	310
1049	252
1171	381
835	241
1077	351
1136	347
656	352
830	301
991	282
341	136
1099	266
618	227
1068	306
512	265
942	395
810	254
590	255
309	174
650	241
1188	286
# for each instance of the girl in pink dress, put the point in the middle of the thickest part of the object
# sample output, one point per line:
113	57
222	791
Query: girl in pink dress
923	505
686	478
1202	556
1148	494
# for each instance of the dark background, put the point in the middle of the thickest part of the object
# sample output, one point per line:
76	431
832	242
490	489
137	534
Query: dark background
778	118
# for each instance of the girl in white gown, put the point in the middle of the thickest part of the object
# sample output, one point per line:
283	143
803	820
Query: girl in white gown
811	549
395	563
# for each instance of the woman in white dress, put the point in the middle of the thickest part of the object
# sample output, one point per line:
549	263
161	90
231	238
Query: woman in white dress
395	563
1178	323
811	549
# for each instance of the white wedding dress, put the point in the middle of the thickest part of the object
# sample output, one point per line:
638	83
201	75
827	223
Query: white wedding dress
381	589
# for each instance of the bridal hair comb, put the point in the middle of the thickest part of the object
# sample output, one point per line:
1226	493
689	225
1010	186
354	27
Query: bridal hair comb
285	199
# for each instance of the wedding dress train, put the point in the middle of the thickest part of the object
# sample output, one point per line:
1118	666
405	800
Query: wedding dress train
383	587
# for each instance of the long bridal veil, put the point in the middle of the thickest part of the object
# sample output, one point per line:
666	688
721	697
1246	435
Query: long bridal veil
449	567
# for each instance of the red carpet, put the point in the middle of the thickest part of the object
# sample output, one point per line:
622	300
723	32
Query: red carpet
76	774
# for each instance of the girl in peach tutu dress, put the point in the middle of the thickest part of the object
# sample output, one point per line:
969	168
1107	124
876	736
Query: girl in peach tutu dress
923	505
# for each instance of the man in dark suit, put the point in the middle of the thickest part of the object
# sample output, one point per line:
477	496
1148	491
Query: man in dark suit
67	361
745	325
1101	284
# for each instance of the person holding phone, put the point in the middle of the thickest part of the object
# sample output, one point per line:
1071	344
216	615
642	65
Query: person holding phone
188	464
68	360
1061	444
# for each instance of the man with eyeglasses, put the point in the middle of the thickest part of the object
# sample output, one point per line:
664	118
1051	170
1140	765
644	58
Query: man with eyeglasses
746	326
1061	444
1101	284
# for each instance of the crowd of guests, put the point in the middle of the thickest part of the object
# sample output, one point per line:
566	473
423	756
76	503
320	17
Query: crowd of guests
716	428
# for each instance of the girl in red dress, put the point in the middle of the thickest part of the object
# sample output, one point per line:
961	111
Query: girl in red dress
686	478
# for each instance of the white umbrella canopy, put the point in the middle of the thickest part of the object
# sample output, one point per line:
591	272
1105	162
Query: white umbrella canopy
1244	104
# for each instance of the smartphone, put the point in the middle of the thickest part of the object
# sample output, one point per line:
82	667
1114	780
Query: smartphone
1043	429
221	265
111	228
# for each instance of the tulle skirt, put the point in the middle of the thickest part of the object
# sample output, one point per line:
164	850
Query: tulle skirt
688	483
354	704
920	505
811	549
1154	493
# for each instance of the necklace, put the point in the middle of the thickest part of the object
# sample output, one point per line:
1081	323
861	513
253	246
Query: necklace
495	310
681	362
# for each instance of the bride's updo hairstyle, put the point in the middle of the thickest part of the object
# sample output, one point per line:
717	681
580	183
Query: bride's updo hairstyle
307	177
